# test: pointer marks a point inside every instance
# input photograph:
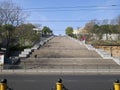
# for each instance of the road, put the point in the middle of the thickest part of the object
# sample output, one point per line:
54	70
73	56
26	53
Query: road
72	82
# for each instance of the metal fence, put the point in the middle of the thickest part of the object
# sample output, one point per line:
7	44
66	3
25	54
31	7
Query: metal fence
60	68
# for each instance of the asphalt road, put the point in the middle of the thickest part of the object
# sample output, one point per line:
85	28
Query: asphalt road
72	82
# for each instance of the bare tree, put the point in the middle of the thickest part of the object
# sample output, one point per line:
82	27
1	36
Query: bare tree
89	26
10	13
105	22
118	20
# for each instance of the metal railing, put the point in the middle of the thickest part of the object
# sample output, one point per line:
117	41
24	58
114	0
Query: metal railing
60	68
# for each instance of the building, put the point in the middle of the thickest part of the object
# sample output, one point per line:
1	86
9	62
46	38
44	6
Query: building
76	32
110	36
79	31
38	30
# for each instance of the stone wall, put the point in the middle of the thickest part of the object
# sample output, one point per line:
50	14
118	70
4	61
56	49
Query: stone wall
114	49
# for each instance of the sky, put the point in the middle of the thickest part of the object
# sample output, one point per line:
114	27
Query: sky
59	14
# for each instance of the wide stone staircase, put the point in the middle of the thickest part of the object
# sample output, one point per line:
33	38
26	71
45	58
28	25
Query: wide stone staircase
62	52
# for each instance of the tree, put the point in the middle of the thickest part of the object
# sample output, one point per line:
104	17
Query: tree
118	23
69	31
7	34
10	13
118	29
103	27
46	31
89	27
26	34
118	20
11	16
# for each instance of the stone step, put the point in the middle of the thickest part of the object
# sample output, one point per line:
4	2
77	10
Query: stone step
69	61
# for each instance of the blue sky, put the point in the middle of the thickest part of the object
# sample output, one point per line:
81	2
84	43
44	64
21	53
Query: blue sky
83	10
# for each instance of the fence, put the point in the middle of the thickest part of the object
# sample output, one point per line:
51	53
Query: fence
60	68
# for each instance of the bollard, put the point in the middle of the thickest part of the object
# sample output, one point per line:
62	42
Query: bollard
3	84
117	85
59	85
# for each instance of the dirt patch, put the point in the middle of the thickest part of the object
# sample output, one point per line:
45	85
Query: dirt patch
114	50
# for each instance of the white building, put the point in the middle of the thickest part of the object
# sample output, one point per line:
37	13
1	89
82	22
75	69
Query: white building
37	29
110	36
79	31
76	32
